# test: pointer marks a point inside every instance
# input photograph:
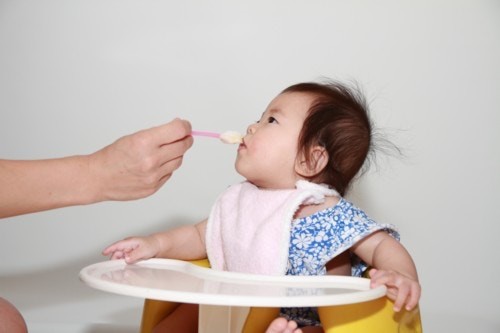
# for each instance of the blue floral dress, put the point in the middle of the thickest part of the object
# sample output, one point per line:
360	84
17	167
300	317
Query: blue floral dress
316	239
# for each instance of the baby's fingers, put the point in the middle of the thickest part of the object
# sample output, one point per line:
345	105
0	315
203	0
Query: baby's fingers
400	289
134	256
130	256
117	255
111	249
401	297
380	277
414	297
125	245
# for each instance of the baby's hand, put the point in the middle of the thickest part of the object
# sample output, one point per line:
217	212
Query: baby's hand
400	288
133	249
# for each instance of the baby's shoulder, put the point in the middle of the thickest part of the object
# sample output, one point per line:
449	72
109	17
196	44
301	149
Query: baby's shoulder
308	210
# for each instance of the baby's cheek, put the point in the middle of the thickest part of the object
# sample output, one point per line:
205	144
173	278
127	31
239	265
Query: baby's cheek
240	166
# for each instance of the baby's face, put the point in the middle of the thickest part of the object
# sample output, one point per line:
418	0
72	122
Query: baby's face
267	156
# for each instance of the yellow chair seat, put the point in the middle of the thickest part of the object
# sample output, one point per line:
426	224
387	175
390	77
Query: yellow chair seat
375	316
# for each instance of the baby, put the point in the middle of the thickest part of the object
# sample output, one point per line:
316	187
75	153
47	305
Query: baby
298	160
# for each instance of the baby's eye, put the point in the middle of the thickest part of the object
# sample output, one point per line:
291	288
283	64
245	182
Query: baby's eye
272	120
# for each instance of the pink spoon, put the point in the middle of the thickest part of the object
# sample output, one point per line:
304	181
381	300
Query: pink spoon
226	137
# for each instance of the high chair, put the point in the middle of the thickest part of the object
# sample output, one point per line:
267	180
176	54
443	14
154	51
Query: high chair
376	316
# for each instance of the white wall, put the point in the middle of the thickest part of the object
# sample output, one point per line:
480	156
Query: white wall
75	75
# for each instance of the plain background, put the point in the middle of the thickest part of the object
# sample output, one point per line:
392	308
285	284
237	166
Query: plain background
76	75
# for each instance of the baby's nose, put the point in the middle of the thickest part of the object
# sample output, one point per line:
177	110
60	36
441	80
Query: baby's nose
251	129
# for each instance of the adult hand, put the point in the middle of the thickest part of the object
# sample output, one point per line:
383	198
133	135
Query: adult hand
137	165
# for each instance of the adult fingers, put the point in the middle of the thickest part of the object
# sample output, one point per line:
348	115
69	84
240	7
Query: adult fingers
170	166
170	132
173	150
162	174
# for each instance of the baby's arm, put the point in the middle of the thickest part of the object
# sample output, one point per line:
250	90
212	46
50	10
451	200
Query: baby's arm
185	242
394	268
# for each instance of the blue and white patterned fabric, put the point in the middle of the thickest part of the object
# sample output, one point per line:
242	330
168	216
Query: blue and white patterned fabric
316	239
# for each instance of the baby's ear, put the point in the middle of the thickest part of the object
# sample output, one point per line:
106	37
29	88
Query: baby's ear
318	159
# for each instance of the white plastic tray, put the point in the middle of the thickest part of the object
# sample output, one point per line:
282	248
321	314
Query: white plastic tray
180	281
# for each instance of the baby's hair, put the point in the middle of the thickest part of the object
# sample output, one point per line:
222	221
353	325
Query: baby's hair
338	121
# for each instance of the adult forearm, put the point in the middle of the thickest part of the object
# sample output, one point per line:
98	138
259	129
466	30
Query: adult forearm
31	186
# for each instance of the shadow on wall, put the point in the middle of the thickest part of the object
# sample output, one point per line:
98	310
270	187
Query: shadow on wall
108	328
59	284
31	290
53	299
